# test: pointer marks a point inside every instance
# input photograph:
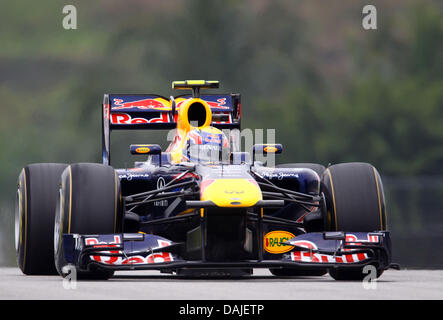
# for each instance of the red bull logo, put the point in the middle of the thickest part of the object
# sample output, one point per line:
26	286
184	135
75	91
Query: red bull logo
123	118
219	104
144	104
213	138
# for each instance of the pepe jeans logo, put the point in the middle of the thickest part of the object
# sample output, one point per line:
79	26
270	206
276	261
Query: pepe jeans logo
273	241
280	175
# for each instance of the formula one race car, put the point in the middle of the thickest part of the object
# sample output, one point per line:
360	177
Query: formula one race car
201	207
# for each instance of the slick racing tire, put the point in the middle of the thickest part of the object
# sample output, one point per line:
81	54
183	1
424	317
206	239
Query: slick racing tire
89	203
286	272
355	203
34	217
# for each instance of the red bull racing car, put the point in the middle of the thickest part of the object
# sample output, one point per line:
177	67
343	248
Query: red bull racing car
201	207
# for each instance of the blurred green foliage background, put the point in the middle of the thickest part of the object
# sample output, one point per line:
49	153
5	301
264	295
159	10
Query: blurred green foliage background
334	91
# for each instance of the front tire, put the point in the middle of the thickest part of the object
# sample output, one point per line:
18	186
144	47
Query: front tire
355	203
354	197
34	217
90	203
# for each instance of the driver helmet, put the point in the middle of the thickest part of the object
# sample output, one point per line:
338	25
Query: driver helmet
207	145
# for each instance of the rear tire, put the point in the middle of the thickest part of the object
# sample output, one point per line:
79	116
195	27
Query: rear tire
34	217
355	203
89	203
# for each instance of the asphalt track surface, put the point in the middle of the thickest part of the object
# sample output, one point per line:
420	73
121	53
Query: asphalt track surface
404	284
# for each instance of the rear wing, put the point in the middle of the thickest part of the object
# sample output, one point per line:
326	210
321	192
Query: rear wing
151	111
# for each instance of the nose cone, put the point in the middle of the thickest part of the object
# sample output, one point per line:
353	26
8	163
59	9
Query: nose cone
231	192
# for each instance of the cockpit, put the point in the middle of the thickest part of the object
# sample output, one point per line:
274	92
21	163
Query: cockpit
206	146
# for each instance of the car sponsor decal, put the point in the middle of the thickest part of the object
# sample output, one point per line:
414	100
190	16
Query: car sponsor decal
129	176
142	150
160	257
274	174
315	257
219	103
161	183
270	149
124	118
352	240
141	104
157	257
273	241
94	242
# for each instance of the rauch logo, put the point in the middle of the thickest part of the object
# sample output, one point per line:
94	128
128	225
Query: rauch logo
273	241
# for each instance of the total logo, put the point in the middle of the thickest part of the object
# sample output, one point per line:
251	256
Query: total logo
273	241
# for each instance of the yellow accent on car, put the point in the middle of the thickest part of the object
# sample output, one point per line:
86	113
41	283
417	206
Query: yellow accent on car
333	198
379	199
187	84
142	150
232	193
183	121
273	241
195	82
270	149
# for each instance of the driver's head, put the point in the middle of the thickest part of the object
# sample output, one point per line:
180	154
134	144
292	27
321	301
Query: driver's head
206	145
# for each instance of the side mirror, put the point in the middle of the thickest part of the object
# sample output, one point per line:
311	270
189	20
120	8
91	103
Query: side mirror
151	149
265	149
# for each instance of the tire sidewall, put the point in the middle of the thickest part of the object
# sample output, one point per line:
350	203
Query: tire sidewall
85	185
34	217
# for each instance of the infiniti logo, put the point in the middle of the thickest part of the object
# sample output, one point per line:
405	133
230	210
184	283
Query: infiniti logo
161	183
